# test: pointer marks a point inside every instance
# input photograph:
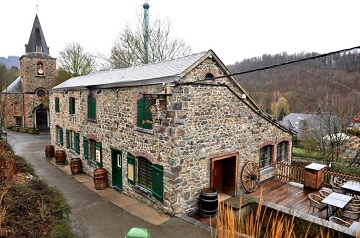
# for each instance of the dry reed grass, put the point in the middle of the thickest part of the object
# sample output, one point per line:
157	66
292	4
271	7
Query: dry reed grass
276	224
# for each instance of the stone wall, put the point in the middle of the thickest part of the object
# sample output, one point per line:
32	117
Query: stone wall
199	123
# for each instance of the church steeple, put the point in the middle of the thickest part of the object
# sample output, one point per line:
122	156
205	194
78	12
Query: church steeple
37	43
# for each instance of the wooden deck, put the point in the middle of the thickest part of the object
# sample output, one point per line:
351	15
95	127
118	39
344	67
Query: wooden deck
282	193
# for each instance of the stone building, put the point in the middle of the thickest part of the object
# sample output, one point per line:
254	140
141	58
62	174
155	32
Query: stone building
165	131
25	101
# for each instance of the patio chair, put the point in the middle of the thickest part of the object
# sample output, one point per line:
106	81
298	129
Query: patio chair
339	221
339	181
351	212
315	203
336	188
324	193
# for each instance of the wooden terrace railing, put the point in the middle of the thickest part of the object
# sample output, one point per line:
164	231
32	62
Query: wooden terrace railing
292	173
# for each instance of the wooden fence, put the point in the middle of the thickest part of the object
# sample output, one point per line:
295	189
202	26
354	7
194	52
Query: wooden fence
293	173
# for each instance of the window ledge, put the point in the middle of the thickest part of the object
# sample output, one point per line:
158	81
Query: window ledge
266	169
147	131
91	120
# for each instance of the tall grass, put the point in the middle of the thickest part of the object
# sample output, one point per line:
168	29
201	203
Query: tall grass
259	223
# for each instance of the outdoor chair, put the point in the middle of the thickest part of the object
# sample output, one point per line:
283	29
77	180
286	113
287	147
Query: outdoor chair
339	221
315	203
336	188
350	212
324	193
339	181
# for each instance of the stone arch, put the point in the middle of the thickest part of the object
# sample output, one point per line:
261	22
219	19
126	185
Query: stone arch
41	117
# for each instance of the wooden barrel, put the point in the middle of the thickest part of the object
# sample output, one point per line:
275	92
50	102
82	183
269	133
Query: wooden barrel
208	202
49	151
60	156
100	178
76	166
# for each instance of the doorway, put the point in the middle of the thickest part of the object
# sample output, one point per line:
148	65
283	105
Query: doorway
116	158
224	174
41	118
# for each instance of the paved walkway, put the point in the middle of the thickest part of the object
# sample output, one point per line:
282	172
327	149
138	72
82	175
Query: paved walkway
99	213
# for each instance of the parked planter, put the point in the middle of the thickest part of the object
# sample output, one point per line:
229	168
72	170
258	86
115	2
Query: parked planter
100	178
76	166
49	151
60	157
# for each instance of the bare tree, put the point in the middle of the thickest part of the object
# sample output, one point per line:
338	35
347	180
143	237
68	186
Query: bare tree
75	61
128	49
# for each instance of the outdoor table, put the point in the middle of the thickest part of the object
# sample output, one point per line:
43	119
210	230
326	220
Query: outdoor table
355	228
337	200
352	186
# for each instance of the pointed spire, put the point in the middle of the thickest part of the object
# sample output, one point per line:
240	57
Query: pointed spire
37	43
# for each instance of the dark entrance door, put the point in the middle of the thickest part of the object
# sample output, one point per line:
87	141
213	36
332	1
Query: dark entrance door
41	118
224	174
116	157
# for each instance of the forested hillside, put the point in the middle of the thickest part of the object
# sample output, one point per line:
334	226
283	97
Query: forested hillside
328	84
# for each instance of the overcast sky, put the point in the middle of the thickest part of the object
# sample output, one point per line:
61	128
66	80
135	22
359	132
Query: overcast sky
234	29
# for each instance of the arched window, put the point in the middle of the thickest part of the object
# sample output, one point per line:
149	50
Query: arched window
209	76
40	69
16	108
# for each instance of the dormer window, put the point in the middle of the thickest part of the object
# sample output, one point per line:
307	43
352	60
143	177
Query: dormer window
39	48
40	68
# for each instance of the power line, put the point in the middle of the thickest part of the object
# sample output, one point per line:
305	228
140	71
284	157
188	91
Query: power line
287	63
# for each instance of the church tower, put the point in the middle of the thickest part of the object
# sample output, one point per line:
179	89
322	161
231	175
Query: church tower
27	99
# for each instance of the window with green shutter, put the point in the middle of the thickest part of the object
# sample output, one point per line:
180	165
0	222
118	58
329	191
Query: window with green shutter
67	138
86	147
71	106
91	108
57	105
131	168
144	116
144	173
60	136
77	143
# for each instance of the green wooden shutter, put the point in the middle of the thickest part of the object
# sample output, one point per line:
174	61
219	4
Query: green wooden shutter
77	143
144	113
157	181
99	148
93	106
131	168
86	147
89	107
57	105
61	136
67	138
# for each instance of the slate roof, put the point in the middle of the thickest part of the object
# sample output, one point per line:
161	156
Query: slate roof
36	37
15	87
163	72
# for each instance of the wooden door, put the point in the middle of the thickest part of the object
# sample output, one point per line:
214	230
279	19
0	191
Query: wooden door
116	168
217	175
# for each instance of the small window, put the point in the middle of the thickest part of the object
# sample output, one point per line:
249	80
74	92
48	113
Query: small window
39	48
265	156
57	104
209	76
144	173
91	108
281	152
16	108
40	93
71	106
40	69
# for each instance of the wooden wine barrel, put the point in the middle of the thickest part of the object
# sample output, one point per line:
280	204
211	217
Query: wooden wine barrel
49	151
208	202
75	166
60	157
100	178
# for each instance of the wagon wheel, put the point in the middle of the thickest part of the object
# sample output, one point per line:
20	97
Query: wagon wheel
250	176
